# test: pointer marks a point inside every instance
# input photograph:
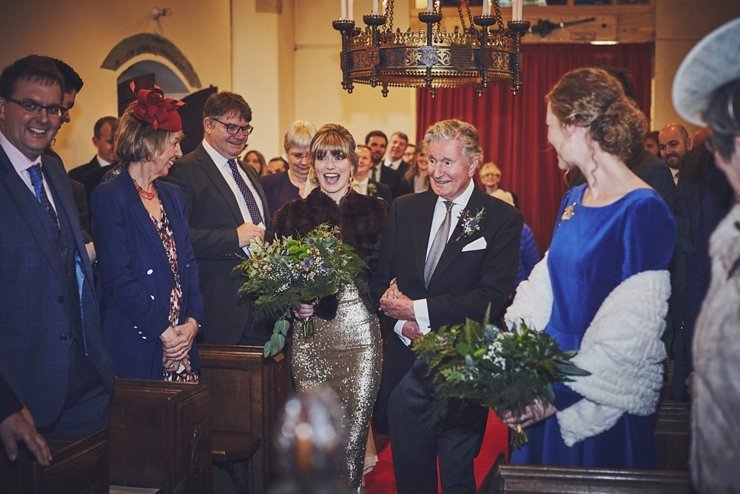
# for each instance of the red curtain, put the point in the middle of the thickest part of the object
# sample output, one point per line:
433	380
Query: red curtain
512	128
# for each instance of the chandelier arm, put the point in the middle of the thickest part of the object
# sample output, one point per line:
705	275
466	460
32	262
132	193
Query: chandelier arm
389	13
499	17
470	14
460	13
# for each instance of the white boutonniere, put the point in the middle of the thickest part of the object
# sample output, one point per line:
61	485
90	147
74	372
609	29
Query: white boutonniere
470	223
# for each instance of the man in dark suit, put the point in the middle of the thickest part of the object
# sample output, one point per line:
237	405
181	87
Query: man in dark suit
437	266
50	350
227	211
377	141
90	173
396	149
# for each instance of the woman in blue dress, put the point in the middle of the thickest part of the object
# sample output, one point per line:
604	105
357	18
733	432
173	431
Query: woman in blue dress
602	288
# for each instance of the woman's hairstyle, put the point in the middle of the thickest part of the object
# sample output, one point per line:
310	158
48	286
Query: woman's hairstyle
491	164
414	164
593	99
138	140
260	158
334	137
723	117
462	131
299	134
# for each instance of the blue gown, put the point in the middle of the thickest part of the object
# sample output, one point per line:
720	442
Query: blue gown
590	255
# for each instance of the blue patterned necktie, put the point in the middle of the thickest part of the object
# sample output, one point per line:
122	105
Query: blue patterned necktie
38	187
438	244
254	210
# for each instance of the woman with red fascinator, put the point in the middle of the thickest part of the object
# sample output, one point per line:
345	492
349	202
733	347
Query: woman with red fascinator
151	304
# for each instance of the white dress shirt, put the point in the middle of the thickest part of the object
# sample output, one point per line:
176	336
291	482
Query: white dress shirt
223	167
421	309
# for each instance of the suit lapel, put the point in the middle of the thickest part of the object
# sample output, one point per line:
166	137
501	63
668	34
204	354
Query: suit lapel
28	208
214	175
454	247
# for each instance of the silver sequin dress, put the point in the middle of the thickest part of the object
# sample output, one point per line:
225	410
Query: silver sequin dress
346	354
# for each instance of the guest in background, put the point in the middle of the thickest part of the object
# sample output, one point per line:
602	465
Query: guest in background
490	177
650	143
283	187
276	165
361	181
674	142
416	178
256	160
151	299
408	155
227	211
396	150
345	351
707	90
377	141
91	173
603	287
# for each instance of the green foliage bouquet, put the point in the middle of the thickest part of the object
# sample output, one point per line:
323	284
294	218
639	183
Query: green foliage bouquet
505	370
286	272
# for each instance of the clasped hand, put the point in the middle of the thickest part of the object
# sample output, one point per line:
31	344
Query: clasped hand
176	344
394	303
533	413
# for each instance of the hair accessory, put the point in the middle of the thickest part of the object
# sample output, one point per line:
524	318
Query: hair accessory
152	107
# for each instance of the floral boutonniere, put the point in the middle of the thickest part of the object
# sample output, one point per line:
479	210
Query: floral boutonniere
470	223
372	188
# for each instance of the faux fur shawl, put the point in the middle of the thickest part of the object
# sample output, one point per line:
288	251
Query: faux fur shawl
360	218
621	349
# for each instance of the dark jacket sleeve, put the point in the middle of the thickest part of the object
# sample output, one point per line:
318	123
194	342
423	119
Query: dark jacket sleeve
9	403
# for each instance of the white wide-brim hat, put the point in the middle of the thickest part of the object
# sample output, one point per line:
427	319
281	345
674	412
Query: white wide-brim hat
712	63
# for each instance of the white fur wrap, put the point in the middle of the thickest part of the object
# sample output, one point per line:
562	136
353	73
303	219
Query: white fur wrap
621	349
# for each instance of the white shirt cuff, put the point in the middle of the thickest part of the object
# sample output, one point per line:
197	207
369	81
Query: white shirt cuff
398	329
421	313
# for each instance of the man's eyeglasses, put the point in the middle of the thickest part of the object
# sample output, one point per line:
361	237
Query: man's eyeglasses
30	106
235	129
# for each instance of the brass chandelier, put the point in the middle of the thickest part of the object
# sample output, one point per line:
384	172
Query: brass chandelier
483	53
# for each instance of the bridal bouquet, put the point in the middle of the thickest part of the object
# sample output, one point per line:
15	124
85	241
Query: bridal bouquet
504	370
286	272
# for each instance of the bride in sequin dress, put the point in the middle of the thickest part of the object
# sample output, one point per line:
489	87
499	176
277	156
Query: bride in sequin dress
345	351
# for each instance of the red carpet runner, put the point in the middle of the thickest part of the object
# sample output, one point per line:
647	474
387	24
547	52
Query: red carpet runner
381	480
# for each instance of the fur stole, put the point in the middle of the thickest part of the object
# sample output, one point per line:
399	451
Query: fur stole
360	218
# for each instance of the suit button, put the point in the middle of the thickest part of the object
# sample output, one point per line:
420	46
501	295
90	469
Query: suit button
63	337
149	271
60	299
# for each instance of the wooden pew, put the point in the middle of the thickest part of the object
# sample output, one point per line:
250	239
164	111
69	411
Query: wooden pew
79	466
523	479
249	393
672	439
160	436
